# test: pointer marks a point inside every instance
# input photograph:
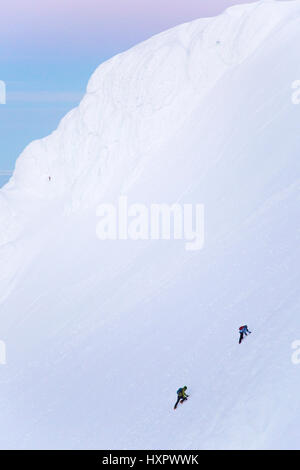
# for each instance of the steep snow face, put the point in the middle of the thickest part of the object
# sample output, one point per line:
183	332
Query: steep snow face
138	99
100	335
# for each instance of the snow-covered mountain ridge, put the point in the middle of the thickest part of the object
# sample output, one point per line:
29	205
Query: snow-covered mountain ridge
201	113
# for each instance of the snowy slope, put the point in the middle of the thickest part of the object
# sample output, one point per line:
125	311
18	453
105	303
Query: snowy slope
100	335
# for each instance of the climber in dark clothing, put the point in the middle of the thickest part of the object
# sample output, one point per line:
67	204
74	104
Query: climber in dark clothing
181	396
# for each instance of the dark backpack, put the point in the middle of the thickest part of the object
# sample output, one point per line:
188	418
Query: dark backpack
179	391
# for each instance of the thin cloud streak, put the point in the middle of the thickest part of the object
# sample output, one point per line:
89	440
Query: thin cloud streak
44	97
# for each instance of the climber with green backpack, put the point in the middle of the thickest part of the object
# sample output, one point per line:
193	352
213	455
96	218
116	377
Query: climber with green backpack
181	396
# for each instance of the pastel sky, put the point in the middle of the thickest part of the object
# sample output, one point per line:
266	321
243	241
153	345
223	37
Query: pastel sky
50	48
